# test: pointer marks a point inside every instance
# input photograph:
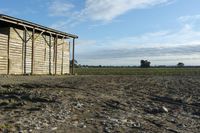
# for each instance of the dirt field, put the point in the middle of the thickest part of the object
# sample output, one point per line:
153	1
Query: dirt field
65	104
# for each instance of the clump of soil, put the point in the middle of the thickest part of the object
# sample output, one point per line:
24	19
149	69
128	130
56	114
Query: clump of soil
99	104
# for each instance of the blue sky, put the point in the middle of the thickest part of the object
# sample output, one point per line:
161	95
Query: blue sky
120	32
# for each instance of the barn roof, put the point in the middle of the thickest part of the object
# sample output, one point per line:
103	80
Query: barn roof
21	22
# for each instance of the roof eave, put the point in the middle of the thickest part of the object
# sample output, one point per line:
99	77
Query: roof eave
34	25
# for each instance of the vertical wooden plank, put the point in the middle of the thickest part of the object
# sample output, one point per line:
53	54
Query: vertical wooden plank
50	55
46	55
23	71
40	58
28	52
70	67
73	55
45	49
25	49
33	45
15	51
53	56
56	53
8	52
62	58
66	58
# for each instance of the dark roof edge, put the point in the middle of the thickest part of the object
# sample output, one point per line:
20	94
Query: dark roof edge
4	17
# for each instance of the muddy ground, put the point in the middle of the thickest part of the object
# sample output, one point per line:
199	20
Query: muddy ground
84	104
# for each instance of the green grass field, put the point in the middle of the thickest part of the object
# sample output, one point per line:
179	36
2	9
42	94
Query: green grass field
137	71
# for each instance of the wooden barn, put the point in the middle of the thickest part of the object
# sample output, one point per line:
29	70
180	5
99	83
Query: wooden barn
29	48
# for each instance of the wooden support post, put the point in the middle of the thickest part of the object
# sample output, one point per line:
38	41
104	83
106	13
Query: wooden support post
8	53
45	51
27	31
70	65
62	58
23	41
73	50
50	55
49	44
30	37
25	50
32	56
53	56
23	53
56	53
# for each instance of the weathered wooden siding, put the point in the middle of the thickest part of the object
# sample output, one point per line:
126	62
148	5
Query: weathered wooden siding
66	60
46	61
52	56
3	50
46	55
40	65
28	53
15	52
59	56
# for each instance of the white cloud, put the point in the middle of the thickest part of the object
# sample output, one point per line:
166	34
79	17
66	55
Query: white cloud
162	47
59	25
107	10
86	42
60	8
98	10
189	18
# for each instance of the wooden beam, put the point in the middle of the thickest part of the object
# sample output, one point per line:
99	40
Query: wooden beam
30	36
21	36
27	31
73	50
45	51
70	65
50	55
63	41
8	53
28	39
18	34
62	59
51	46
54	57
56	53
25	50
33	52
22	63
46	40
50	34
39	35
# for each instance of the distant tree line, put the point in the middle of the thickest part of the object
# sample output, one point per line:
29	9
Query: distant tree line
143	64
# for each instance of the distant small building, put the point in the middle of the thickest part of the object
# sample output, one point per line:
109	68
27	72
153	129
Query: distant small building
29	48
